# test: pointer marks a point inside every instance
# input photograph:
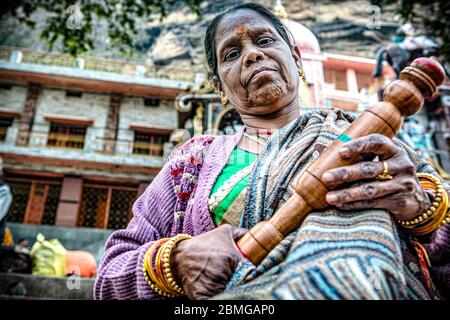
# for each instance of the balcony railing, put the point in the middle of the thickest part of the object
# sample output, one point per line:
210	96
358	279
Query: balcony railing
93	142
5	53
63	140
125	67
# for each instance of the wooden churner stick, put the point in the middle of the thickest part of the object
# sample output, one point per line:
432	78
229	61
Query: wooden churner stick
401	98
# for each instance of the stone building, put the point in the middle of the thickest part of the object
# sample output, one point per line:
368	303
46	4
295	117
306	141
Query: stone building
81	139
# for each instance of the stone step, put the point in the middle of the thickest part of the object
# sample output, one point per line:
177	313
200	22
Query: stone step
86	239
41	287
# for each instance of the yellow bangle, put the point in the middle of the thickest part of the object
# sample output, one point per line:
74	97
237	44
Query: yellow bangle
435	215
160	278
150	277
167	271
160	271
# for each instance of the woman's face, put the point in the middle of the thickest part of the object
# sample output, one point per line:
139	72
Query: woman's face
257	70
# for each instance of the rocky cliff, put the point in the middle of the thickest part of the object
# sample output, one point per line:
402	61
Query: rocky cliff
343	27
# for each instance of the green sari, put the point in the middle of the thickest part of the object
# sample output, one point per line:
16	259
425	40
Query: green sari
228	195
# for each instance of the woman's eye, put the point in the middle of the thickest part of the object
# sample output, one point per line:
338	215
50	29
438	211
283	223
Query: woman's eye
233	54
264	41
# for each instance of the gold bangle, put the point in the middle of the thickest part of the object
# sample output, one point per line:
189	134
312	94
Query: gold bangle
151	251
147	269
439	219
149	275
160	271
429	213
167	271
155	287
435	215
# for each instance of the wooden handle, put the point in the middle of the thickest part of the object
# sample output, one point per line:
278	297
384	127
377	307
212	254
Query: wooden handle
401	98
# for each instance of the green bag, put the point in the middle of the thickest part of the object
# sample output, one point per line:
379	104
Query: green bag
49	257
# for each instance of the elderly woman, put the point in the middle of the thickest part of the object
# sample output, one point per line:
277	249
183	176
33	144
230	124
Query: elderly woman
181	239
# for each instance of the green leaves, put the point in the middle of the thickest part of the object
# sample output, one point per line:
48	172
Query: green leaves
73	23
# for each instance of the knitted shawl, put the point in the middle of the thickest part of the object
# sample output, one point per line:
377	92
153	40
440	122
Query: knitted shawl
334	254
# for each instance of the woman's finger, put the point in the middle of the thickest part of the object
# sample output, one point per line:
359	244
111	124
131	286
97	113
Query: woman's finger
395	205
238	233
403	205
366	170
369	191
372	143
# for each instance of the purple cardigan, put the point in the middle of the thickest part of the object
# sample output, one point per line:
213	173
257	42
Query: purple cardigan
155	215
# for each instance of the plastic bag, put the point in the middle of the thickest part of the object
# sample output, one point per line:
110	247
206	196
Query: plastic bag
49	257
81	263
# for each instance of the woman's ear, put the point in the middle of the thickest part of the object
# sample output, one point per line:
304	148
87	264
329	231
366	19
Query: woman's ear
217	84
297	57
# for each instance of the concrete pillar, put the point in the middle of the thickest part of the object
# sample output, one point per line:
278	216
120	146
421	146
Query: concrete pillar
27	118
69	202
112	124
16	56
352	81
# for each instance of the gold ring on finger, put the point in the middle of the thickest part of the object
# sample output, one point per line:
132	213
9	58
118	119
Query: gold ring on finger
385	175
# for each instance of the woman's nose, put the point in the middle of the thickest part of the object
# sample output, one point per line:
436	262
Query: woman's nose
252	55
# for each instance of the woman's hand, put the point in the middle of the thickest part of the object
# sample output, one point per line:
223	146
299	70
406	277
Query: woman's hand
402	195
204	264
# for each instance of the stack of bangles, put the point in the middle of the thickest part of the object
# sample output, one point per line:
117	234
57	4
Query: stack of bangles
156	267
437	214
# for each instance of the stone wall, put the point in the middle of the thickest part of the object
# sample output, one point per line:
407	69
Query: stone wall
134	110
55	102
85	239
14	99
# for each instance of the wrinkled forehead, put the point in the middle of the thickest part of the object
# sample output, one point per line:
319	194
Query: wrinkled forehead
242	22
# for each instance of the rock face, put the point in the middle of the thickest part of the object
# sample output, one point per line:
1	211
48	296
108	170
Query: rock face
346	27
169	47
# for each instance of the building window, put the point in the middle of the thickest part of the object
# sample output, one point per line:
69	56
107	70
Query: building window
66	136
149	143
72	93
106	207
364	80
336	77
120	211
20	191
5	86
151	102
35	201
4	124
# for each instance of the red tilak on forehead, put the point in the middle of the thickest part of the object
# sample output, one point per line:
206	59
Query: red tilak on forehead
242	31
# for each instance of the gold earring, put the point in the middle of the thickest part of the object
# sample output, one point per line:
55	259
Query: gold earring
224	100
301	73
